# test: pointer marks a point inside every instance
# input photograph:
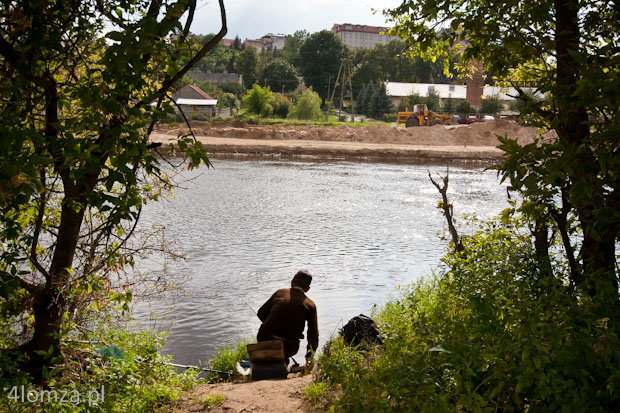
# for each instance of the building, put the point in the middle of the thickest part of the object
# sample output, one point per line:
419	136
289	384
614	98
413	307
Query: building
214	78
397	91
268	41
360	36
194	102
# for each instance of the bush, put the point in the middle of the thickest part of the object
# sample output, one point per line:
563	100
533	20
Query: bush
259	101
308	106
129	368
281	105
390	117
490	332
226	360
491	104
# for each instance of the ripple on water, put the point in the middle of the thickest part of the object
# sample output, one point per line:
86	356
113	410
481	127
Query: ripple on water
247	226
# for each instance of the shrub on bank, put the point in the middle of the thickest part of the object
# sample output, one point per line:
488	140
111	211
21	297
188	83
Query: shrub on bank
490	332
114	371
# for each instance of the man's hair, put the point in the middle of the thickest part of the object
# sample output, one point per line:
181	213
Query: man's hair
303	278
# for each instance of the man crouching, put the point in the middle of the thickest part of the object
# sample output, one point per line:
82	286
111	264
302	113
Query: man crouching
285	314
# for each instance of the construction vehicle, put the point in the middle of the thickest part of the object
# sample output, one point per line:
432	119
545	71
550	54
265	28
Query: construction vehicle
421	116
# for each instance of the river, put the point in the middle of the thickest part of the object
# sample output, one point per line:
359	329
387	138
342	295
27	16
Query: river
247	226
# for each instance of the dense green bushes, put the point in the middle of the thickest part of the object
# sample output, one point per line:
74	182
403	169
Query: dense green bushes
489	333
126	370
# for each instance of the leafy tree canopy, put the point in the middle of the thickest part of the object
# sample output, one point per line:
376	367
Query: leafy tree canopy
320	56
76	111
259	100
280	76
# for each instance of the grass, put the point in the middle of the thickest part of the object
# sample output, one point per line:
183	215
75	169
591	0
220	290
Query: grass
211	402
226	360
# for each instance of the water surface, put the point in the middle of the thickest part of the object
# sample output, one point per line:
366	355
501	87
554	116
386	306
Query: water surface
247	226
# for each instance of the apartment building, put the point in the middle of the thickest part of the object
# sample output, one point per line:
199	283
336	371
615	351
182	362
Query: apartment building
362	36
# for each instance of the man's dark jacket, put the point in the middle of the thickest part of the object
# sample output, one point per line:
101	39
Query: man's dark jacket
285	314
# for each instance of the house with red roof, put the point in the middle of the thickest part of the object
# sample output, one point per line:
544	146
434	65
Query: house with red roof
194	103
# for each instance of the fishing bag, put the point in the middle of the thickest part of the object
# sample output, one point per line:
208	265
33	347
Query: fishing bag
361	329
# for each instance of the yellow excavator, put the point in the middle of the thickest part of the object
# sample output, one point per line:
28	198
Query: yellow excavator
421	116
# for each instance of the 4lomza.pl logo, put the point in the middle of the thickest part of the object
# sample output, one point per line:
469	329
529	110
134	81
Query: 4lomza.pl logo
21	394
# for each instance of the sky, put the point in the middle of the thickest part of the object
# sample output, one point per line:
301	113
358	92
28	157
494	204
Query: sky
253	19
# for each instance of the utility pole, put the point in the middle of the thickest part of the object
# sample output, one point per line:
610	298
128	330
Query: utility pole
345	69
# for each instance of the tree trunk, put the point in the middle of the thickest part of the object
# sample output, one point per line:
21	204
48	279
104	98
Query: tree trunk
49	304
598	248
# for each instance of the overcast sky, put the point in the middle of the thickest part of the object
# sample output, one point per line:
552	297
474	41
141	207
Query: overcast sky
254	18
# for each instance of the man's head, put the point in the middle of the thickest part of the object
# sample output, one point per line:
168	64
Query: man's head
302	279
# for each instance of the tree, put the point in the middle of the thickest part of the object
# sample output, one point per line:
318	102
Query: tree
365	105
308	106
432	101
320	60
380	103
259	101
77	109
281	105
292	43
246	66
280	76
463	106
491	104
570	185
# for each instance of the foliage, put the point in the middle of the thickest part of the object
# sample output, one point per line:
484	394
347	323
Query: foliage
492	331
463	106
491	104
259	100
380	103
292	44
232	87
364	103
77	109
569	51
211	402
390	62
280	76
308	106
432	101
320	60
226	360
245	65
134	377
282	105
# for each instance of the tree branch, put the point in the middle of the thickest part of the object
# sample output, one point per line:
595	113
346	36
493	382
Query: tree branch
447	211
37	229
169	81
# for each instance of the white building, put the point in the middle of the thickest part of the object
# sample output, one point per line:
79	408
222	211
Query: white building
397	91
361	36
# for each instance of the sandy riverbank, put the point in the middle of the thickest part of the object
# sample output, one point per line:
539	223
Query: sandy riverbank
472	142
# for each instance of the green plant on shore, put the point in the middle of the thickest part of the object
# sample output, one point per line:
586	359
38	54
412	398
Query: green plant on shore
490	332
210	402
114	371
226	360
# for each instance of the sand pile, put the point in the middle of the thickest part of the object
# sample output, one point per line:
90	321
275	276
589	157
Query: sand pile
477	134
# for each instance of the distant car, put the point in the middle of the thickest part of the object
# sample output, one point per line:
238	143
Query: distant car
487	117
457	118
468	120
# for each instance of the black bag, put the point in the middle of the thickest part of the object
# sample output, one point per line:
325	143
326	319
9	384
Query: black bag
361	329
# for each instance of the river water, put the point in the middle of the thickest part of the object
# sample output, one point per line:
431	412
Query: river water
247	226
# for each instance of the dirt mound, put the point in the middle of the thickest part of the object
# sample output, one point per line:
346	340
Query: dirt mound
477	134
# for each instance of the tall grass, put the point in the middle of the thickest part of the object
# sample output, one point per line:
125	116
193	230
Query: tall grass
490	333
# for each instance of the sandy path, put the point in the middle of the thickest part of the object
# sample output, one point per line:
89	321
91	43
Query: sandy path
253	396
